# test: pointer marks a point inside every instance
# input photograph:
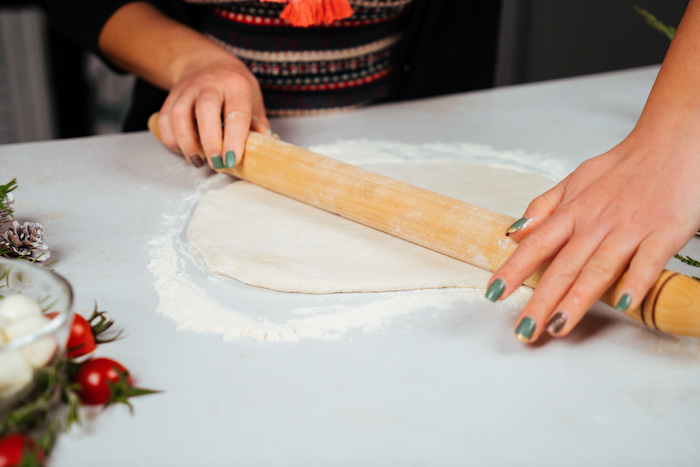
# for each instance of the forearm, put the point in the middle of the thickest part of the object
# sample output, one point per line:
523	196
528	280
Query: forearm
142	40
673	107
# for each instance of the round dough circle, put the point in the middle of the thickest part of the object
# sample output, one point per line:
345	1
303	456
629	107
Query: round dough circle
268	240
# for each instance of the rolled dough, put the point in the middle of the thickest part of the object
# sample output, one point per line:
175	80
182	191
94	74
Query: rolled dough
267	240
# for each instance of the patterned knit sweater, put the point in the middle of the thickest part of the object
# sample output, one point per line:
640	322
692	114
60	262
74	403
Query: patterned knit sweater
313	69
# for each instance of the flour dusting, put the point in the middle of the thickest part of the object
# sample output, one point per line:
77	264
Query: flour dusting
199	300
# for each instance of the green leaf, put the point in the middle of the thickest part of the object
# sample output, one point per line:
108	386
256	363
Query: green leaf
687	260
4	190
655	23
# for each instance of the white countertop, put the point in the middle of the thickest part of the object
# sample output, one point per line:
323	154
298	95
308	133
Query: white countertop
440	387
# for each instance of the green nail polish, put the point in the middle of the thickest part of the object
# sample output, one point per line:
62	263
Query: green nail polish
495	290
230	159
624	302
217	162
517	225
525	329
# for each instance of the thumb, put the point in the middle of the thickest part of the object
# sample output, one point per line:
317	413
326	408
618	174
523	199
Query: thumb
538	211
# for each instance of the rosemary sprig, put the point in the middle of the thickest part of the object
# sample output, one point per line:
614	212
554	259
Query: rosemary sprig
689	261
655	23
4	190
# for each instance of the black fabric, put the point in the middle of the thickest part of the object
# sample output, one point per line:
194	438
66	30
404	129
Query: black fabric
450	46
81	20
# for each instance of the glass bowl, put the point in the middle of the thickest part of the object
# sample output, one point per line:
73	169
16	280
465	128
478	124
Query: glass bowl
37	387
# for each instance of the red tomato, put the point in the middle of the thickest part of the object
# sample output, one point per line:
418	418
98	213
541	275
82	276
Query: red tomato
93	375
81	340
15	447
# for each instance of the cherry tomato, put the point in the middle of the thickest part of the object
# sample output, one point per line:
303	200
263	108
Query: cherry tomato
85	334
93	376
81	340
15	449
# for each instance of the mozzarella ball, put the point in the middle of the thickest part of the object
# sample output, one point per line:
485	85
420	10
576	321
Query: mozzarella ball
25	326
15	373
15	307
40	352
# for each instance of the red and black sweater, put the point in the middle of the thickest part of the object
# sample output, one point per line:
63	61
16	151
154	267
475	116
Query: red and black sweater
387	50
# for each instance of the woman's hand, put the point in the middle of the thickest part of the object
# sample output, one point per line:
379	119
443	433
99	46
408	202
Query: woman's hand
634	206
214	104
206	84
631	208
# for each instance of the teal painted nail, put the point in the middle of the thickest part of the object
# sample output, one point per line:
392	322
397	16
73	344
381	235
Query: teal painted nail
495	290
525	329
230	159
624	302
517	225
217	162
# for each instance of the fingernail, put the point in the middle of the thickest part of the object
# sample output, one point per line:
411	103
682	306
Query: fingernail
196	160
556	324
517	225
230	159
525	329
274	135
495	290
217	162
624	302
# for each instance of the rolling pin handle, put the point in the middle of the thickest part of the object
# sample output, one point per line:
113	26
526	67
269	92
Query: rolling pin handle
672	305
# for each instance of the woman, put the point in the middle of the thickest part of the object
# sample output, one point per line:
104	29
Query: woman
629	209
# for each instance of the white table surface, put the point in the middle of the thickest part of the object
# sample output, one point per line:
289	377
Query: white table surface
444	387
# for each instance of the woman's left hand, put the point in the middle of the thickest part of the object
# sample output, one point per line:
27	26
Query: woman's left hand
632	207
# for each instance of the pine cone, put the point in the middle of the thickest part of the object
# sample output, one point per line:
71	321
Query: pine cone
25	241
5	217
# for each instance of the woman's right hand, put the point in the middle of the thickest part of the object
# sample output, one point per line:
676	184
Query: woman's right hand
209	111
206	83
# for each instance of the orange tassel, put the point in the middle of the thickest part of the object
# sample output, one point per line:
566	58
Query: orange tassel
306	13
334	10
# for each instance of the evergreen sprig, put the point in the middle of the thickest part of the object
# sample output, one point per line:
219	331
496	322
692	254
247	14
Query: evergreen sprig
689	261
4	190
654	22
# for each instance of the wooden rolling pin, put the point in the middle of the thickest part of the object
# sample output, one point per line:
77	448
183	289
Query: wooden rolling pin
443	224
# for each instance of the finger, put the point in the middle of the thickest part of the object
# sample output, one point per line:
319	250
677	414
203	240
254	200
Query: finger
208	112
537	212
534	251
259	121
644	269
556	282
237	122
167	135
605	265
185	131
165	128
